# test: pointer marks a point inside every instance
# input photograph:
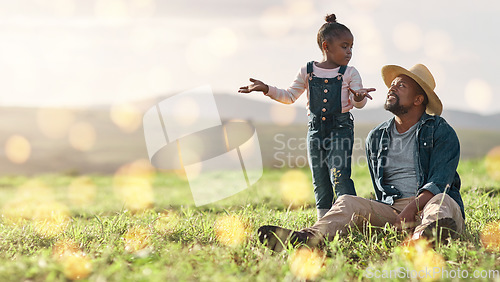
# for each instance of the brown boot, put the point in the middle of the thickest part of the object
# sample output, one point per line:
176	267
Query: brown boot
442	228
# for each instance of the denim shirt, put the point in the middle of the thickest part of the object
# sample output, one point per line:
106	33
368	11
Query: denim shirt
437	153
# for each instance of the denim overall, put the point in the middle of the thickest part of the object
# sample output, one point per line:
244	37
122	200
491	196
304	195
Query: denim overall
329	139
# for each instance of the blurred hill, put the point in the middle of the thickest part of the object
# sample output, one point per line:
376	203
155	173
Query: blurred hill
100	139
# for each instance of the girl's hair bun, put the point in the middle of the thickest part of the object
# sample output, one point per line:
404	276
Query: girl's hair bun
331	18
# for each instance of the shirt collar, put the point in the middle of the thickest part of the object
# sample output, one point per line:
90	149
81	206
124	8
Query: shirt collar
423	119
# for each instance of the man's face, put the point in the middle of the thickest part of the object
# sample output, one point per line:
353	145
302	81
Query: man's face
401	95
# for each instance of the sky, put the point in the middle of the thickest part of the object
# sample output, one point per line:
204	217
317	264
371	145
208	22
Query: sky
92	52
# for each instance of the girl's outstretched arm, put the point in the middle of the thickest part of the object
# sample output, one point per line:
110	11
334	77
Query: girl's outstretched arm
256	85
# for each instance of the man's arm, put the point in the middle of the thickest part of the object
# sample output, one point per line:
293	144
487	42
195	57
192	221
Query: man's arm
406	219
443	162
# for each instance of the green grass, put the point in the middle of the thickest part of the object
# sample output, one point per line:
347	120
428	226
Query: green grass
190	249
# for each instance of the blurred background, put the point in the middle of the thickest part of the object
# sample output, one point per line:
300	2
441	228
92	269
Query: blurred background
77	75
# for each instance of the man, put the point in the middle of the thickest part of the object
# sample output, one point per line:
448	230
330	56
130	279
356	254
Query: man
412	160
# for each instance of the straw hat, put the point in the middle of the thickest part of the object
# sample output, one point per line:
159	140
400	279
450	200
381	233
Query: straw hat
423	77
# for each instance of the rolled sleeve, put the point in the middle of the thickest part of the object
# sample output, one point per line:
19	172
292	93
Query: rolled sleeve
431	187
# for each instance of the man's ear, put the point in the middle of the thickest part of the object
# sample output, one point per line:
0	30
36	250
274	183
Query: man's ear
419	100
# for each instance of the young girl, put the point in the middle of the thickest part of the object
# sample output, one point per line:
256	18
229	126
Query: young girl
333	89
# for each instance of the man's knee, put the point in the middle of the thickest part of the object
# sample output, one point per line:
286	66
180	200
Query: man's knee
347	199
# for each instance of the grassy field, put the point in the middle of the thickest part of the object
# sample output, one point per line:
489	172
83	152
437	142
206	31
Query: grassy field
140	225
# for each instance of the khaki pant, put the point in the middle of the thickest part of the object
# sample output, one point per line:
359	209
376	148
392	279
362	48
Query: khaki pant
350	211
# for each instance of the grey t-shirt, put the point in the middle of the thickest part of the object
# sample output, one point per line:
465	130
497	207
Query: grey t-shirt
399	171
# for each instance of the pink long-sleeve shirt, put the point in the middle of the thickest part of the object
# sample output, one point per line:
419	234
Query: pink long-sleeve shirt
292	93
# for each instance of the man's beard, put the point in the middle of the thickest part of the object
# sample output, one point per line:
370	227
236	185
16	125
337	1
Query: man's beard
396	108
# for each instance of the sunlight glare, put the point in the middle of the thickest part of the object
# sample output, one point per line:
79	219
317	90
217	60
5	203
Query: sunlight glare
82	192
55	122
296	189
275	23
82	136
167	222
306	264
478	94
126	116
230	231
132	183
407	37
438	45
283	115
420	255
492	162
111	9
222	42
137	239
490	236
17	149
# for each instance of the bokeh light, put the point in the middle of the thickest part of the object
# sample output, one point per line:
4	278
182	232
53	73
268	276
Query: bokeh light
186	111
142	8
126	116
136	239
367	34
111	9
306	264
492	162
142	39
82	192
407	37
50	219
478	94
75	263
34	203
17	149
283	115
132	183
198	59
53	122
274	23
77	266
28	198
420	255
64	8
192	149
438	45
167	222
296	189
64	247
82	136
222	42
365	5
301	9
230	231
490	236
159	80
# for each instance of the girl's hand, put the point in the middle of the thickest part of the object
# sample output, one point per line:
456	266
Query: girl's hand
362	93
256	85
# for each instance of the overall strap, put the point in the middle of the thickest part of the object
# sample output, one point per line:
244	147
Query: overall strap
310	67
342	70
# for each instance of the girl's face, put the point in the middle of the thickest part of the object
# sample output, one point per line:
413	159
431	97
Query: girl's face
339	50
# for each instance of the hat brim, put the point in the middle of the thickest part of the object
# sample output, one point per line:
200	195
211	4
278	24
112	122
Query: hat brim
390	72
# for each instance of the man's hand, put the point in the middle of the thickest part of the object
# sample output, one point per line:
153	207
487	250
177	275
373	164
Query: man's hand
256	85
362	93
406	219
